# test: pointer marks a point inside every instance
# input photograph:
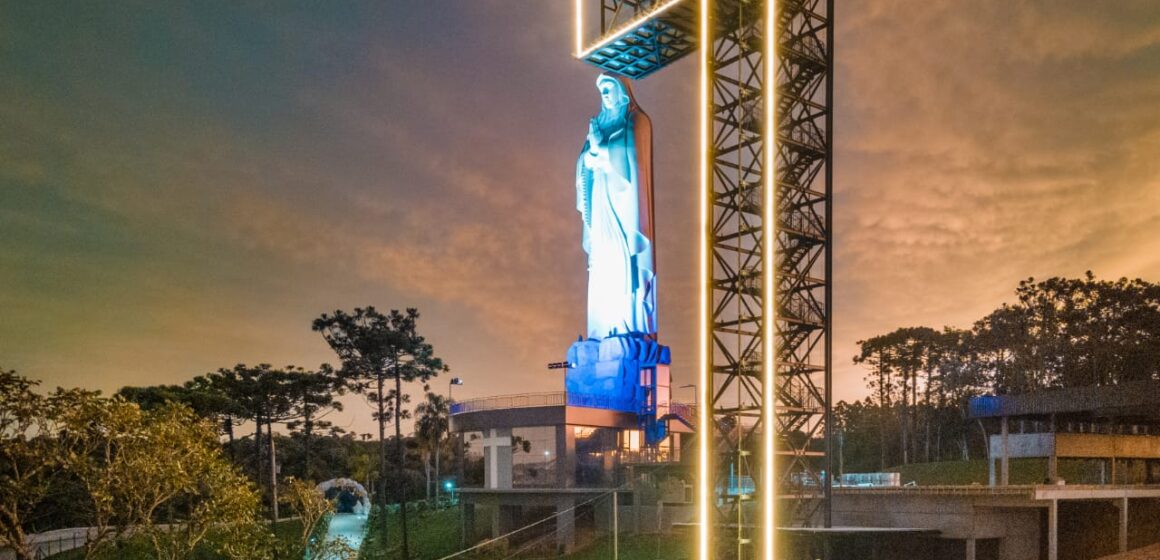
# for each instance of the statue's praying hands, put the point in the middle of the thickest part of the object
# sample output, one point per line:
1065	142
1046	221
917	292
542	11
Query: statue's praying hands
597	155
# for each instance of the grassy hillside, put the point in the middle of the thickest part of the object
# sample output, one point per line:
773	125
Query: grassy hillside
1022	471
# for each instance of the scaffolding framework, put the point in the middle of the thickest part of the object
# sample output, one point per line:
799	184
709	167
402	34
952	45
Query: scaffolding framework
755	225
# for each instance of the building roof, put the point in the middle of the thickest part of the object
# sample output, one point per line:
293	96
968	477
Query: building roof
1136	400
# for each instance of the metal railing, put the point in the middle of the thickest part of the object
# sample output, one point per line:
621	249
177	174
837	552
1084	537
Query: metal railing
942	490
501	402
562	398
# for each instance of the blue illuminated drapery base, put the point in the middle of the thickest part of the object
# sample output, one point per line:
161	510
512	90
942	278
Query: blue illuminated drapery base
620	373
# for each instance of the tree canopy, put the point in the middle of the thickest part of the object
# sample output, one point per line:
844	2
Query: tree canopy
1059	332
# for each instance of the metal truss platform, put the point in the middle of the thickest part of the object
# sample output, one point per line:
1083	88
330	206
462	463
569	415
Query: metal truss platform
652	38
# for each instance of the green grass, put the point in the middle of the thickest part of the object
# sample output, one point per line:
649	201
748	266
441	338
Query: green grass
673	546
1022	471
431	534
434	534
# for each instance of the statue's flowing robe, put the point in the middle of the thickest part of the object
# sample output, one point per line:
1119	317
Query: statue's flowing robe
617	211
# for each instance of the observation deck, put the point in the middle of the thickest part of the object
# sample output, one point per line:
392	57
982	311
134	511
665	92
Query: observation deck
639	37
556	407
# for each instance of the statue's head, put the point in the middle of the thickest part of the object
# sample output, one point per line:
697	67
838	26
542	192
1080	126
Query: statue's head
613	92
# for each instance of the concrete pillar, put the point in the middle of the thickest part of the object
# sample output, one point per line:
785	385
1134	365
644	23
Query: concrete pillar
615	526
565	525
505	521
1004	470
970	549
457	437
1123	524
1053	530
565	456
634	484
466	524
1053	458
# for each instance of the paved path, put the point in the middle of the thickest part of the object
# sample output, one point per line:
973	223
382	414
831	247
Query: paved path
347	526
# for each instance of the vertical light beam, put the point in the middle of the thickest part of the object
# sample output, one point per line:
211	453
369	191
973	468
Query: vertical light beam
579	27
769	319
705	428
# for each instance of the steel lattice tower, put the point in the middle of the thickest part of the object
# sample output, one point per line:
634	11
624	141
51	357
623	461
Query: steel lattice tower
765	234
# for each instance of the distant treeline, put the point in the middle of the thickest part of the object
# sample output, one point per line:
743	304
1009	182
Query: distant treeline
1061	332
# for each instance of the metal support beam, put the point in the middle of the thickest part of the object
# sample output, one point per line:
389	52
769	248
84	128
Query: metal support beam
1123	524
1004	458
1053	530
769	182
766	87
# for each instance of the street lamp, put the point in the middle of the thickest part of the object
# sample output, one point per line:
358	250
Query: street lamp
450	385
450	487
694	388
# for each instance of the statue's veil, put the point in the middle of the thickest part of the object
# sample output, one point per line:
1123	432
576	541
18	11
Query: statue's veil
613	119
629	116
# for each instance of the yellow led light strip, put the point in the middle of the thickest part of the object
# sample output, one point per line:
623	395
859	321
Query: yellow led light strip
619	33
705	411
579	27
769	240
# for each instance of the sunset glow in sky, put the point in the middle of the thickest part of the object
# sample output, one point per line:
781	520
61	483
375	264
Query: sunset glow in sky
186	188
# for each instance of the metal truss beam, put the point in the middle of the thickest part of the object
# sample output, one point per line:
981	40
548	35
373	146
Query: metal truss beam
768	269
766	181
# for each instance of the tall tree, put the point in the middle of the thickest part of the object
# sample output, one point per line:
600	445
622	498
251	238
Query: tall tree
30	456
199	394
878	353
376	349
904	363
260	394
961	377
431	423
312	394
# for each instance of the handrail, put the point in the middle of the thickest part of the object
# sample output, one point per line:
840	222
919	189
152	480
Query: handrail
522	400
555	398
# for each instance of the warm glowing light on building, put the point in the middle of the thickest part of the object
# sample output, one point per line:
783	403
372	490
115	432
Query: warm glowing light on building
621	31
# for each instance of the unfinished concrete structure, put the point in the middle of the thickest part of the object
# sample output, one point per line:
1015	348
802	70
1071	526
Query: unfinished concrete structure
1110	505
1117	425
1024	522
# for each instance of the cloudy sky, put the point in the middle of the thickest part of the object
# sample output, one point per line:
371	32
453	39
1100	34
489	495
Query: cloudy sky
186	188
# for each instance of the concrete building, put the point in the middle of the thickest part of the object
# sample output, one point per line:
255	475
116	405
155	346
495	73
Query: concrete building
546	457
1116	428
1109	435
1064	522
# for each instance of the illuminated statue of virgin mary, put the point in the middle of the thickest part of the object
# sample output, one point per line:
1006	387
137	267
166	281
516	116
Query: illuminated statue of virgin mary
614	194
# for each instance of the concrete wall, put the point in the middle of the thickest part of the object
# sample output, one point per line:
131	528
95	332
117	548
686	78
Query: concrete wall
956	517
1105	445
1077	445
1023	445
